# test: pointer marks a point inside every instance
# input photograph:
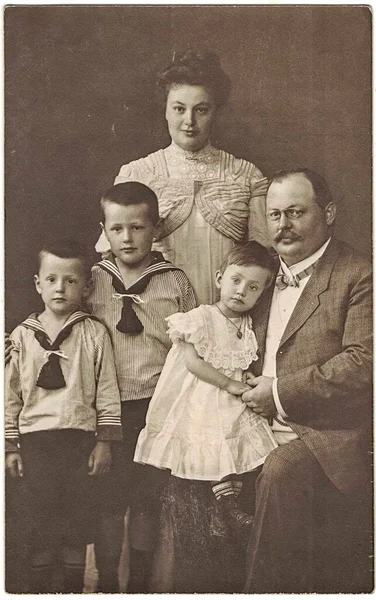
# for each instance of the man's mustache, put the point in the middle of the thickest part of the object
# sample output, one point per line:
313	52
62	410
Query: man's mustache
287	235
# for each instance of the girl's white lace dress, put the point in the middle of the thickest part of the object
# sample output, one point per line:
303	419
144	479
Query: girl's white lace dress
195	429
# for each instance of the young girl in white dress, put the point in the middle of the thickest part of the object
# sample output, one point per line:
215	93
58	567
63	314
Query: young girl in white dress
197	425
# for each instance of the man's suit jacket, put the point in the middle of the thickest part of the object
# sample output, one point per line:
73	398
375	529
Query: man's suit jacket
324	363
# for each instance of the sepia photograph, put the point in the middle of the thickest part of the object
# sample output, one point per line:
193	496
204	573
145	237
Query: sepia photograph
188	299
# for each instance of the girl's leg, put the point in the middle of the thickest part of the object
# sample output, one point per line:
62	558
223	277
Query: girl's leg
226	492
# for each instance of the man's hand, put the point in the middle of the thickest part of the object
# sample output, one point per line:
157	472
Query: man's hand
236	388
100	459
260	398
13	464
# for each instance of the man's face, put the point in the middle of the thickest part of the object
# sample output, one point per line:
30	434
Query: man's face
297	225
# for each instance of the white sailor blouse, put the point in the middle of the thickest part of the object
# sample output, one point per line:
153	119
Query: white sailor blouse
68	384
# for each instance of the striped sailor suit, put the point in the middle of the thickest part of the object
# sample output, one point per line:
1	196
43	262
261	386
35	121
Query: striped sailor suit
160	291
324	370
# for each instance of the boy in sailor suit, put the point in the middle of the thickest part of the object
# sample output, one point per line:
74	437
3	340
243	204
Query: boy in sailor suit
135	289
62	413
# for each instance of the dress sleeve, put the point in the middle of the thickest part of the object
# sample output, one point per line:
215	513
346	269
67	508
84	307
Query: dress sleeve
126	173
257	228
186	327
13	395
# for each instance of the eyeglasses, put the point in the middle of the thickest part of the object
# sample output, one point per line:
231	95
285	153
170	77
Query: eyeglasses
290	213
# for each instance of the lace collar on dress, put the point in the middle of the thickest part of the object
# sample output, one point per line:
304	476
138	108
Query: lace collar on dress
207	154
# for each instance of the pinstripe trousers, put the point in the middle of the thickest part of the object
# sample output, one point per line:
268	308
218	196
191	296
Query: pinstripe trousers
293	496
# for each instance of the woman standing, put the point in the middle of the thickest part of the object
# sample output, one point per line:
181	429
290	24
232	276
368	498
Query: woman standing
208	199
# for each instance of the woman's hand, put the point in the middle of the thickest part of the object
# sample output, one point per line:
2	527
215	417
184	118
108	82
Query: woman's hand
236	388
100	459
13	464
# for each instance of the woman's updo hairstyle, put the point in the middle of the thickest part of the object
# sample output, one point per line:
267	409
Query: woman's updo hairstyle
196	68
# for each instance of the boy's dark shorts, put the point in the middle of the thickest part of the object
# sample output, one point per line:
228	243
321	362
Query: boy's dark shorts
129	483
59	492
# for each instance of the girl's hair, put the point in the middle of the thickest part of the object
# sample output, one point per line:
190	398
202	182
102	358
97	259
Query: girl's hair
66	248
196	68
132	192
247	255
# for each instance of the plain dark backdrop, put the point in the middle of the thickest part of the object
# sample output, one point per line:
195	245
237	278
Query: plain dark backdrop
80	102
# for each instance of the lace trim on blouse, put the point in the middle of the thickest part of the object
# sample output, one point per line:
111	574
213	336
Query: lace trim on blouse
207	154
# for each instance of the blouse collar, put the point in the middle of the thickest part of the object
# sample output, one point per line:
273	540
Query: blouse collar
203	154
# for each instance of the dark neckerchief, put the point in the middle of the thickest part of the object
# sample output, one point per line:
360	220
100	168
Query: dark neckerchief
50	376
129	321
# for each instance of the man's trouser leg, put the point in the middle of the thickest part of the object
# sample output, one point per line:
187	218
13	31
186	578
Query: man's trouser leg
280	554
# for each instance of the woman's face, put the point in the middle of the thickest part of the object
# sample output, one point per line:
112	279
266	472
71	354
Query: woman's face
190	113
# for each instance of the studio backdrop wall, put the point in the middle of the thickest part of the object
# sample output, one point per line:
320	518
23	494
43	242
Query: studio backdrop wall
80	102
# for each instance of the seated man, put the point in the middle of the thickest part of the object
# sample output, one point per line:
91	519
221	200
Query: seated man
315	336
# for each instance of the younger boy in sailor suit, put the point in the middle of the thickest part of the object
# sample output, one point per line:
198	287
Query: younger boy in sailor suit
135	289
60	390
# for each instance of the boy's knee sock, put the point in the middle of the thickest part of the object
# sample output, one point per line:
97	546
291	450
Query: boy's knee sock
41	569
143	538
141	563
108	545
73	569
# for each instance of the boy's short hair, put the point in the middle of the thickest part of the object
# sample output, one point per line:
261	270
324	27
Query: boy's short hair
132	192
66	248
247	255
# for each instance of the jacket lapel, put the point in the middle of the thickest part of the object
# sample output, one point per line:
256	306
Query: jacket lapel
310	298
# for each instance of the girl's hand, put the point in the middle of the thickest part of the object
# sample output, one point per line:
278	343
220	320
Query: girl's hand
247	377
237	388
13	464
100	459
